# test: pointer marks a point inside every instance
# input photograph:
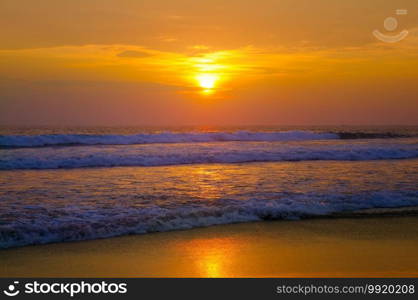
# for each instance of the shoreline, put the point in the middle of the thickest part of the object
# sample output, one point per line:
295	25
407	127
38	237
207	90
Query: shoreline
375	212
366	246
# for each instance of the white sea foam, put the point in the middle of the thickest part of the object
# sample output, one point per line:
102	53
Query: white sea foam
195	153
73	223
166	137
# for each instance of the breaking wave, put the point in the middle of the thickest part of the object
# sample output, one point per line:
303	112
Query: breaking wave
201	153
75	224
45	140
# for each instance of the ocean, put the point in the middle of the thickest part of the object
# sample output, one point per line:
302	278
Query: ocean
70	184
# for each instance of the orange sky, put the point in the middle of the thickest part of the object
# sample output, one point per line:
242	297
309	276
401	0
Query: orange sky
178	62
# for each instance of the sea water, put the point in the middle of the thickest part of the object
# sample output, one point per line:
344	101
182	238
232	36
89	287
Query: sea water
67	184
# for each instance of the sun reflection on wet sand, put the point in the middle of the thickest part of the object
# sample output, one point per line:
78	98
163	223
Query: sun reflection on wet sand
216	255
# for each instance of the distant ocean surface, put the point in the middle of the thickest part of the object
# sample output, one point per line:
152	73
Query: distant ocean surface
67	184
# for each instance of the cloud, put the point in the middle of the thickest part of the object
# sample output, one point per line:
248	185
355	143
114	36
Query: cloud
133	54
167	39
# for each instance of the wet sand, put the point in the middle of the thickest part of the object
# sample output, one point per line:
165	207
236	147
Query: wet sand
384	246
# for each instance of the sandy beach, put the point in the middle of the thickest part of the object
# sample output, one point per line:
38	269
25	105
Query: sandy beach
341	247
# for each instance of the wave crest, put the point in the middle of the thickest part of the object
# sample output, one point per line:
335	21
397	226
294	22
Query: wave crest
198	153
45	140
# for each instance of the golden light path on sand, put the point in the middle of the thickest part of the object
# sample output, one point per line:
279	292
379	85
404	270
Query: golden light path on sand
215	255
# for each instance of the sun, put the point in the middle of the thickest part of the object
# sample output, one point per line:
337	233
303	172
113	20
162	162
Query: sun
208	73
207	81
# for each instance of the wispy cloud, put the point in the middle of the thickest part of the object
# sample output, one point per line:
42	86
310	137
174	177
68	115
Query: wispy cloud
133	54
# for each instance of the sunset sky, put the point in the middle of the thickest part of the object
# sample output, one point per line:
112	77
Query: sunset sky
215	62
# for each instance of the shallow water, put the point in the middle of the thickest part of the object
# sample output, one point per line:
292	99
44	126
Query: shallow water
42	206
